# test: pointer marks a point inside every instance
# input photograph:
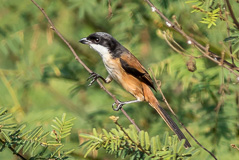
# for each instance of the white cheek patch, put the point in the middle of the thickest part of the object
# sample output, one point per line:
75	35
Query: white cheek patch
103	51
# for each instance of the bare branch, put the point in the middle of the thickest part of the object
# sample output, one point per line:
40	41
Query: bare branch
232	14
228	35
212	56
81	62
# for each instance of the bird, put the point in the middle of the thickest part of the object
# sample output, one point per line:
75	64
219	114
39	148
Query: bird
123	67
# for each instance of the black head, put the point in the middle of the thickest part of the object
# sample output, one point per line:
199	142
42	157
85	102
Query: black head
101	38
101	41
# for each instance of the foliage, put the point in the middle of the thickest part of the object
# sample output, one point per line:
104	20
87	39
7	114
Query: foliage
212	9
234	39
32	143
137	145
40	79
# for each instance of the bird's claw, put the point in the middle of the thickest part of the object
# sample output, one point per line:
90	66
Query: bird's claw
119	105
94	77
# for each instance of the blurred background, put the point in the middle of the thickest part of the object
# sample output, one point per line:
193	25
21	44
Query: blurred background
40	78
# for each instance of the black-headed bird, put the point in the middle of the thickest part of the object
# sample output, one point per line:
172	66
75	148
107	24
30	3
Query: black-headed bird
125	68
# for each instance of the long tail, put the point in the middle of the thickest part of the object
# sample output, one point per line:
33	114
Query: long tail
172	125
151	99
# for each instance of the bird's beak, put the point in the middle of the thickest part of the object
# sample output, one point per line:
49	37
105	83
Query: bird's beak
84	41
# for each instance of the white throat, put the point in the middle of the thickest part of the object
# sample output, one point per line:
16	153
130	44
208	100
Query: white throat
103	51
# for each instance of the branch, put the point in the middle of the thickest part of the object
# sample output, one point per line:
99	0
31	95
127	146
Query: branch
82	63
210	55
228	34
232	14
174	114
13	150
115	120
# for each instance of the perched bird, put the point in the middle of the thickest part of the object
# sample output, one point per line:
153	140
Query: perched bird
125	68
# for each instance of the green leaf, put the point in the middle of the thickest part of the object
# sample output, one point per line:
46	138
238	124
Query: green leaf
20	146
56	128
63	118
165	139
158	143
9	126
147	141
2	111
69	151
95	133
180	146
153	145
57	121
43	136
65	135
88	136
5	117
89	150
56	151
105	133
35	132
141	138
163	153
27	146
53	143
5	135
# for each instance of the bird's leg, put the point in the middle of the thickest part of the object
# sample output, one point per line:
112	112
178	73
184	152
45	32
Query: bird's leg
120	104
95	76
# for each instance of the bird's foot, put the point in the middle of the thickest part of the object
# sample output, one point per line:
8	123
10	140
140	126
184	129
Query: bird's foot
94	76
119	105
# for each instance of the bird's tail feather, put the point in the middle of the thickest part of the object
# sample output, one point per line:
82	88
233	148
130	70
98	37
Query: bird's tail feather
152	100
172	125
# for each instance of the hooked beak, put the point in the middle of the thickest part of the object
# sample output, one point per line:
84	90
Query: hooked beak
84	41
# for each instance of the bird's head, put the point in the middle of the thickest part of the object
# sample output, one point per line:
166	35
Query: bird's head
103	43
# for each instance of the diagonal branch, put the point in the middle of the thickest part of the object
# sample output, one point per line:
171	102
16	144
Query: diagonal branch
232	14
13	150
82	63
210	55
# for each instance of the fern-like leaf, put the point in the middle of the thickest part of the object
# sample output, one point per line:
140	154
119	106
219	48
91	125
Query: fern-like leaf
127	142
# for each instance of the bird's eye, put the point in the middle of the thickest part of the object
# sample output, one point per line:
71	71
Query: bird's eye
97	40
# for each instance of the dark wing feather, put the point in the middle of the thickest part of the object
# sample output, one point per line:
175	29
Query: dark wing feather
132	66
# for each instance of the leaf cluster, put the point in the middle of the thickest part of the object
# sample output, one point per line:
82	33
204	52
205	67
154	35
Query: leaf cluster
33	143
128	142
211	9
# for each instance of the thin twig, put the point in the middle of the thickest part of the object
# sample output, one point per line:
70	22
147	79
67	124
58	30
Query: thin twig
115	119
192	41
172	46
232	14
181	51
206	53
174	114
13	150
82	63
234	146
110	13
228	34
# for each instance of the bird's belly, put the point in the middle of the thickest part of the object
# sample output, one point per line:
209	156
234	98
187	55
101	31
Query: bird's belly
114	70
127	81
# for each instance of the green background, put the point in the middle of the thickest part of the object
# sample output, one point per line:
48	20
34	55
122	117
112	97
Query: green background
40	78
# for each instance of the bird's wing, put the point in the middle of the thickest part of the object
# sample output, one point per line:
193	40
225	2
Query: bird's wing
132	66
